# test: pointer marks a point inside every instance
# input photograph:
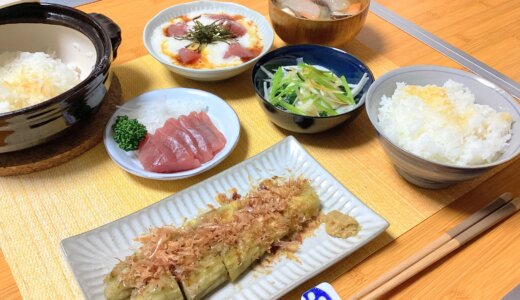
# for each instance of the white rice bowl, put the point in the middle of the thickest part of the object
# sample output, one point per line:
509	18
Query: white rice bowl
444	124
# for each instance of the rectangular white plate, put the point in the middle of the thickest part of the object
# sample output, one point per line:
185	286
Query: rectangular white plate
91	255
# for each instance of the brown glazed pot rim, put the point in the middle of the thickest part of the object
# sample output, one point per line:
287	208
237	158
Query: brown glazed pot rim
55	14
321	20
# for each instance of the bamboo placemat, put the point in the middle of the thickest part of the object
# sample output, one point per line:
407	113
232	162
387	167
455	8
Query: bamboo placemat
40	209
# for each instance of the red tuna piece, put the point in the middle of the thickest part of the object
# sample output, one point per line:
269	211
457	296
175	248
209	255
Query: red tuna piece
188	56
213	140
174	126
189	123
235	28
177	29
184	159
218	141
153	157
236	49
221	17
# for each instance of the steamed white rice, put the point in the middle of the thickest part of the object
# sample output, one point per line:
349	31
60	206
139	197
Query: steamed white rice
444	124
30	78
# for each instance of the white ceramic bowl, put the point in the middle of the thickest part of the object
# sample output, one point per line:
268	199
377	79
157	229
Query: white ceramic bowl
264	29
221	114
423	172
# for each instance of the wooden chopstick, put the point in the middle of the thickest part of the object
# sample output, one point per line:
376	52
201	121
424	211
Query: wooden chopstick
464	237
500	208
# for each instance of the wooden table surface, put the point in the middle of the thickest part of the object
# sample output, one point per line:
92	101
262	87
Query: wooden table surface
488	29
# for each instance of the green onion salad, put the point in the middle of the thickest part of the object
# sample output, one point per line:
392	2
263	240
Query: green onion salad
309	90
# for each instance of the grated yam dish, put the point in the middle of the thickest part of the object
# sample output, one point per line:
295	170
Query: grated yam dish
444	124
29	78
214	54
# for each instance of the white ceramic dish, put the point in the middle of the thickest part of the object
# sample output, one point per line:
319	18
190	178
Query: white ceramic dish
222	115
423	172
264	29
91	255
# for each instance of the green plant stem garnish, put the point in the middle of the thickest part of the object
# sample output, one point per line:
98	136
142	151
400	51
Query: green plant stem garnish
128	133
201	35
306	90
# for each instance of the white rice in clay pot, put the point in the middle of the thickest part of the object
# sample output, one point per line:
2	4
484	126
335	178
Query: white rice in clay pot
444	124
30	78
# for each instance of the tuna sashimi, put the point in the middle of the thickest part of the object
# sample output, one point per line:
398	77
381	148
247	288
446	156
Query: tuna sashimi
189	123
177	29
213	140
152	158
219	141
236	49
220	17
181	144
235	28
184	158
175	128
188	56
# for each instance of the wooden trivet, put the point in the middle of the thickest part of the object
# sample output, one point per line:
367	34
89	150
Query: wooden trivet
66	147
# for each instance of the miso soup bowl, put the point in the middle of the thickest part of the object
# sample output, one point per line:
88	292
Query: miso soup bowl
87	41
334	32
427	173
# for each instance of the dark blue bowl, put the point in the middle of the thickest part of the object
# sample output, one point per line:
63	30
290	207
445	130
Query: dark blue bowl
338	61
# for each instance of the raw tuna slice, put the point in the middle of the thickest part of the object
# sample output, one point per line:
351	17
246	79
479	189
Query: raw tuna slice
213	140
202	142
175	128
152	158
220	17
188	56
235	28
183	137
184	159
177	29
220	140
236	49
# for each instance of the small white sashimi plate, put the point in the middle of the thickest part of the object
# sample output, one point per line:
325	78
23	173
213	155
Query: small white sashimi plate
184	100
93	254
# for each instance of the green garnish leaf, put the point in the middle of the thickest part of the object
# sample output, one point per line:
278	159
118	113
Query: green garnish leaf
348	92
201	35
291	98
128	133
307	90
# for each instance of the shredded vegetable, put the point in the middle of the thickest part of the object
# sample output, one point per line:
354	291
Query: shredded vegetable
308	90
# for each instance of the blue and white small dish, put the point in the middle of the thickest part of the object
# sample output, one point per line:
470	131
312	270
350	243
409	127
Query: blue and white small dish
322	291
187	100
335	60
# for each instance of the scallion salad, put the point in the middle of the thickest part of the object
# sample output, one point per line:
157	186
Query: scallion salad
308	90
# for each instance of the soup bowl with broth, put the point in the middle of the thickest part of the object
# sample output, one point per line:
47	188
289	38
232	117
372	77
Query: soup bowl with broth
331	22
